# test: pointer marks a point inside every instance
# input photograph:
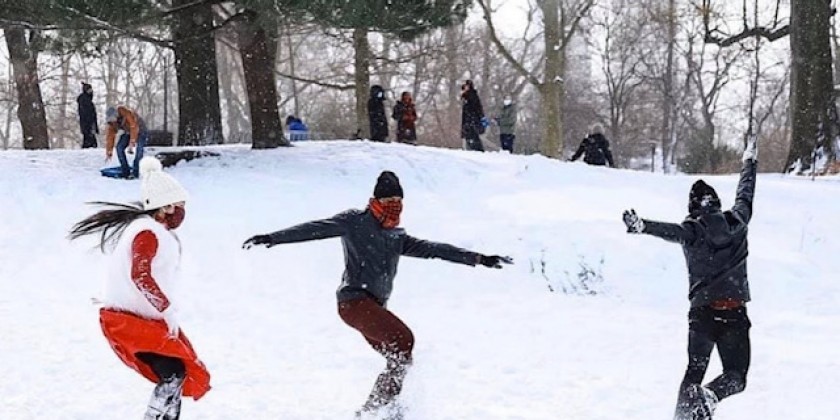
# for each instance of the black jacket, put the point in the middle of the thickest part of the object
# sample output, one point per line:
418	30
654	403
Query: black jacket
471	114
376	114
371	253
87	113
597	150
715	246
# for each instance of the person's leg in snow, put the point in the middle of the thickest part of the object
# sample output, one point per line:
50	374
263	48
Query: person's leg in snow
165	403
700	345
729	330
733	344
122	144
389	336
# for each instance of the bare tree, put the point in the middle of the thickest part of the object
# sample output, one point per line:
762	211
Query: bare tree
23	53
560	21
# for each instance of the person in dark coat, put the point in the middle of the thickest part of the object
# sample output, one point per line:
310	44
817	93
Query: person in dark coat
715	246
406	116
373	245
87	116
376	114
472	115
596	148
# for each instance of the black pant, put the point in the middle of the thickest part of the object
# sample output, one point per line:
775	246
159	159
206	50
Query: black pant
507	141
730	331
88	139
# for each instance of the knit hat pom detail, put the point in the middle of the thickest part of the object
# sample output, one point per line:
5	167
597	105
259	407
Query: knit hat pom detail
148	165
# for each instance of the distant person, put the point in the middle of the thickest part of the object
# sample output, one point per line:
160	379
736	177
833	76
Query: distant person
138	314
373	244
376	114
472	114
714	243
596	148
134	135
507	124
406	116
298	131
87	117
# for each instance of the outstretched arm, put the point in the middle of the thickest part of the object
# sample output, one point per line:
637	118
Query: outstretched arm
672	232
310	231
419	248
579	151
746	191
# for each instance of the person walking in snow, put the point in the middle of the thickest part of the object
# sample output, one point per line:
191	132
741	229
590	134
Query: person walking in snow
715	246
596	148
138	314
472	117
134	136
406	116
87	116
373	245
507	124
376	114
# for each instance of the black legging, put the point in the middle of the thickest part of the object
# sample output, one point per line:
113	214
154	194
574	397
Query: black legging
730	331
165	367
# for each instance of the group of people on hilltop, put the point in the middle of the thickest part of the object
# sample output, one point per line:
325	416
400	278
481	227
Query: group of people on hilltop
473	121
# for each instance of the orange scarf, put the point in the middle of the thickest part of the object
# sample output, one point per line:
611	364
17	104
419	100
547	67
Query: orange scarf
388	213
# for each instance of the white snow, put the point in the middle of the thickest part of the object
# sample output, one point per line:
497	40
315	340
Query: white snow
491	344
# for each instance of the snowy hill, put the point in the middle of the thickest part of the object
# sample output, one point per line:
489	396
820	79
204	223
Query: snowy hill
491	344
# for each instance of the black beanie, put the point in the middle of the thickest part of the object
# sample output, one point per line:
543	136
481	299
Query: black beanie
387	185
700	190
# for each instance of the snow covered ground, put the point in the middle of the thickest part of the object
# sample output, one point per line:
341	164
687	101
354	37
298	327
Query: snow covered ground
491	344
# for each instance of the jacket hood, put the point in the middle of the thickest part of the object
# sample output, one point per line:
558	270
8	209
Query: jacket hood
375	90
703	197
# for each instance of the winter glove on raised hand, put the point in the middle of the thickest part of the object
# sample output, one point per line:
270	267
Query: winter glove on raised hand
751	150
633	222
171	322
258	240
494	261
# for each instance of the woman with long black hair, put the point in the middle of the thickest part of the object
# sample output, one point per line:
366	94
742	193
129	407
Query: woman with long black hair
138	315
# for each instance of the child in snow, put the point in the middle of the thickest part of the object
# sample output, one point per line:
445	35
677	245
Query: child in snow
138	317
372	247
715	247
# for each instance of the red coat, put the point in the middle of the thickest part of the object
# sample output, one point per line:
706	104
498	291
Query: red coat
130	334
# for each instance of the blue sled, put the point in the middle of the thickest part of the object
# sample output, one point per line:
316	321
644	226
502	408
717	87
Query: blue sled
112	172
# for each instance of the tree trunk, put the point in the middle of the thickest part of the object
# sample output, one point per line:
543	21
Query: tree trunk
551	90
813	111
453	90
668	87
199	116
258	65
361	46
64	130
24	58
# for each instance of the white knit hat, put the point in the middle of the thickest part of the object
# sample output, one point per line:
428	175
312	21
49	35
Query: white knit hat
159	189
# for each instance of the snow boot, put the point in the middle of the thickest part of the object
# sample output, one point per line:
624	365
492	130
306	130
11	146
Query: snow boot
166	400
699	403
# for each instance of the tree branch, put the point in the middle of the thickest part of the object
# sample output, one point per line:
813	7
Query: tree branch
502	49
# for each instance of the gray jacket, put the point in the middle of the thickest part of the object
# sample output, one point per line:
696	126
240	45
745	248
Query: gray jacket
371	253
715	246
507	119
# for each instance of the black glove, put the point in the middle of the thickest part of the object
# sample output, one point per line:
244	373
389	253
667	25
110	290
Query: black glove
258	240
494	261
633	222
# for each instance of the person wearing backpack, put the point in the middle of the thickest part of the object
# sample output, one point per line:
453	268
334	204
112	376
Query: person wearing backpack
715	246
